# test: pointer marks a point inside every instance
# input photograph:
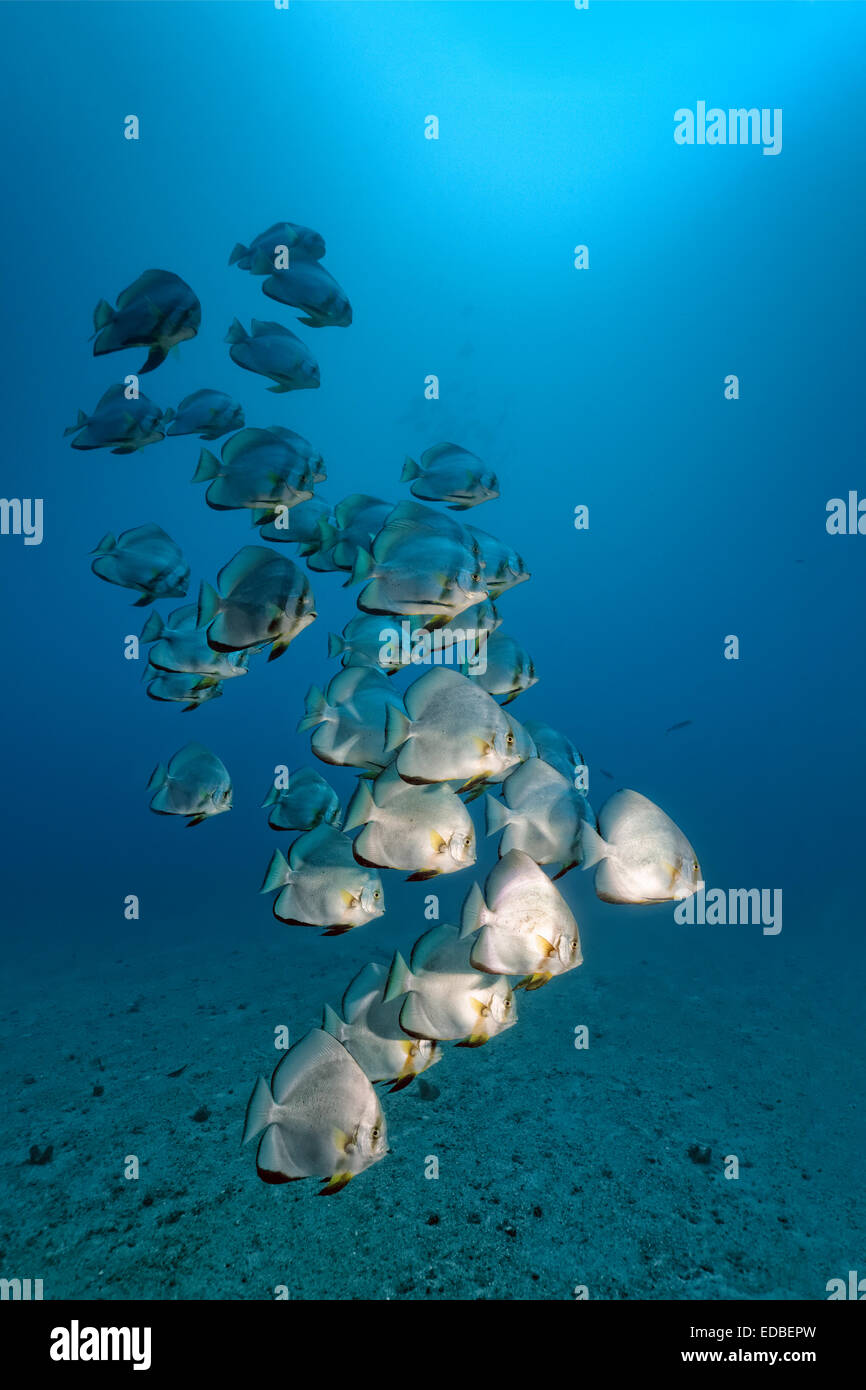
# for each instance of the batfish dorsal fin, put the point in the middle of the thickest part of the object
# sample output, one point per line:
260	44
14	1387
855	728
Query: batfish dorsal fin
249	559
369	982
346	511
323	845
431	942
316	1052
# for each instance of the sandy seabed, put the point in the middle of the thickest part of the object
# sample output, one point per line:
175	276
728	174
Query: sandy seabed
558	1167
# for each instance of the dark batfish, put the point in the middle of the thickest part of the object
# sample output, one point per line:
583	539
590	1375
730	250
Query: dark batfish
273	351
209	414
264	251
308	286
119	423
144	558
157	311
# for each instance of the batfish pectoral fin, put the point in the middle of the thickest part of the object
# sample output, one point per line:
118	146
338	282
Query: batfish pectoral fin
342	1140
155	357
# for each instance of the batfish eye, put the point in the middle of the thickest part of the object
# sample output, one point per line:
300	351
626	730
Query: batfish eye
468	841
375	1132
509	739
506	1003
376	893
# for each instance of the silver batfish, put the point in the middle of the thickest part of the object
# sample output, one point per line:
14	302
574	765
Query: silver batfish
319	1118
264	601
322	884
423	829
446	997
642	856
448	473
543	815
524	925
370	1030
180	645
349	718
452	731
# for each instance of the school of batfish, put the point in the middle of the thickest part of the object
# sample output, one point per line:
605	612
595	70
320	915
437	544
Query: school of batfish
420	757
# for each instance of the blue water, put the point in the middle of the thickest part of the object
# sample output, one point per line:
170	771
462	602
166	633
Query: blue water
603	386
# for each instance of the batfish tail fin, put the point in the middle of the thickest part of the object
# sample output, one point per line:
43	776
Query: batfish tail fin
260	1110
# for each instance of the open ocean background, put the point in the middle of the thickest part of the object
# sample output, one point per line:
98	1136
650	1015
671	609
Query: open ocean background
558	1168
